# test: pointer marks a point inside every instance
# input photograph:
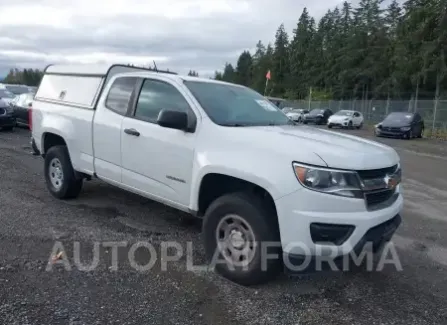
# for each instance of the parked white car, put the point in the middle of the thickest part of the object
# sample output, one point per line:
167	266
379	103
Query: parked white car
297	114
221	152
346	119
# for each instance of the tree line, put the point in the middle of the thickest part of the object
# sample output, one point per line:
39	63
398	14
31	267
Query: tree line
29	77
367	51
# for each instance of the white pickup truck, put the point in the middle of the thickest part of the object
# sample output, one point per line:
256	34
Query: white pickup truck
270	192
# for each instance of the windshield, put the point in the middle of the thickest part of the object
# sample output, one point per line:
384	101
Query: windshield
316	111
399	118
6	94
231	105
345	113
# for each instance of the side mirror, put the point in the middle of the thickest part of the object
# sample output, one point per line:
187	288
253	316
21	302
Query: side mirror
173	119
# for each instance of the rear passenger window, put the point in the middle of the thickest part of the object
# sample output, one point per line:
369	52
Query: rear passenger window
157	95
120	93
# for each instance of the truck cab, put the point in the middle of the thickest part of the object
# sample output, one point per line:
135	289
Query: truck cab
221	152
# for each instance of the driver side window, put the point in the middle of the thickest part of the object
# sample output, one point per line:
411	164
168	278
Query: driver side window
156	95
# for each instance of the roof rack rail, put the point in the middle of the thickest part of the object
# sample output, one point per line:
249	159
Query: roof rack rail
154	69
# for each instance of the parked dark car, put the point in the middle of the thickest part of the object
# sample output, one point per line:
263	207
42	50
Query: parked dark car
7	120
401	125
17	89
21	105
6	95
318	116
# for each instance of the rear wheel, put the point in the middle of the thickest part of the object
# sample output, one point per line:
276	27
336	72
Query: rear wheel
329	126
359	126
60	176
236	228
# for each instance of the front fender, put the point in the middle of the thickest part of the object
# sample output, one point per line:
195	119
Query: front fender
274	174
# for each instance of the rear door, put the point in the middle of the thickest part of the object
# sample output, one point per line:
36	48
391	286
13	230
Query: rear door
157	161
107	128
357	120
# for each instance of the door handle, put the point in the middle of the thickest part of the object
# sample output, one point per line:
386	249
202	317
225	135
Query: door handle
132	132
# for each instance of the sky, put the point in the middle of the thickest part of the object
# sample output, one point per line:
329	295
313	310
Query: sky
178	34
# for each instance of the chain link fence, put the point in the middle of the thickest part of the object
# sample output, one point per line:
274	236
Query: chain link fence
434	112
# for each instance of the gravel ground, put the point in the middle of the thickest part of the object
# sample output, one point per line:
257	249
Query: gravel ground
32	222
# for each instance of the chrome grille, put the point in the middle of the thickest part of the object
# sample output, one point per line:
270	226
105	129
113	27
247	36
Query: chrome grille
376	187
376	173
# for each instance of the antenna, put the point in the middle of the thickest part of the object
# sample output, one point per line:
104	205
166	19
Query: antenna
156	70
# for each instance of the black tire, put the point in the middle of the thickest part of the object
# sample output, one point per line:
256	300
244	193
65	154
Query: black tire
263	222
329	126
408	135
304	122
70	184
350	125
359	126
8	128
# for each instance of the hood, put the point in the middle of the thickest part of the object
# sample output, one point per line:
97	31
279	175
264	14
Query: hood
302	143
339	118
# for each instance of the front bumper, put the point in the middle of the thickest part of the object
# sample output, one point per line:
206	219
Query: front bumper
313	120
338	123
391	134
377	237
298	211
7	121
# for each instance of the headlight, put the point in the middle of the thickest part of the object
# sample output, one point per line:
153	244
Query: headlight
407	128
347	119
330	181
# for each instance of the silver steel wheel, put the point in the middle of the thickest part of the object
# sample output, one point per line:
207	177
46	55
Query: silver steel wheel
235	240
55	173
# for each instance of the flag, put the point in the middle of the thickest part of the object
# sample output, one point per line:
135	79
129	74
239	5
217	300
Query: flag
267	76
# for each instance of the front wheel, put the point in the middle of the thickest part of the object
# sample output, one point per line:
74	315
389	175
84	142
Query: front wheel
238	230
60	176
329	126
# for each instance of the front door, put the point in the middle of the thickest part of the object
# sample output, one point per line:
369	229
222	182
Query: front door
158	161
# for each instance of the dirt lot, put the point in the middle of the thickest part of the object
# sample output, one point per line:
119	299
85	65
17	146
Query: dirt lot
31	221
